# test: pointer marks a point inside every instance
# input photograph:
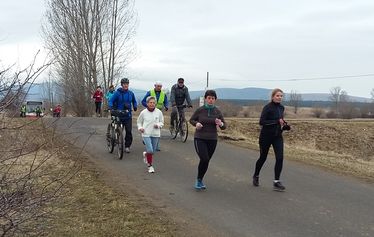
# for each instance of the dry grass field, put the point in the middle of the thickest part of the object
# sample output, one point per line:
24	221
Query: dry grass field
345	146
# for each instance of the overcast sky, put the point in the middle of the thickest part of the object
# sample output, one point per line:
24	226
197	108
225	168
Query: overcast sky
242	43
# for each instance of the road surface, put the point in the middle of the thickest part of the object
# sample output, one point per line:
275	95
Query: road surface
316	202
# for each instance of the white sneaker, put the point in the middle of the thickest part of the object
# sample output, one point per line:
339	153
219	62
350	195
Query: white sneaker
145	158
151	169
127	149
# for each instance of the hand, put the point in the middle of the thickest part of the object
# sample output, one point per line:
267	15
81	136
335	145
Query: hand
219	122
199	126
141	130
281	122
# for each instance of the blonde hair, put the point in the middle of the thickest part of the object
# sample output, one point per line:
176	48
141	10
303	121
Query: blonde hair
275	91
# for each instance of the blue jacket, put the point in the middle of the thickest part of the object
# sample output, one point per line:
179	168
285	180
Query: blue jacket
144	101
122	100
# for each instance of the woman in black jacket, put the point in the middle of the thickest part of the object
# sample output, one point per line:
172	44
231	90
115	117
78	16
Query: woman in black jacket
273	124
206	119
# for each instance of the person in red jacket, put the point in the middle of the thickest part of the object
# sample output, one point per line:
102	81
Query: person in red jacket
57	111
98	97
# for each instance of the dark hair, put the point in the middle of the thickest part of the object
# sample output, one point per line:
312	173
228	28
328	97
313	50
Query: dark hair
180	79
125	81
210	93
98	87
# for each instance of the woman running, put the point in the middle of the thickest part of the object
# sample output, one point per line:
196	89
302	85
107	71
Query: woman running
273	124
150	122
206	119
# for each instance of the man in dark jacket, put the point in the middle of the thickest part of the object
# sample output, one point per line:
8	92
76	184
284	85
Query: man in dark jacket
178	95
124	99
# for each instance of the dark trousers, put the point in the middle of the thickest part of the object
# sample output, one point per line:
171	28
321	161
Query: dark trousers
174	113
98	107
127	124
204	149
265	143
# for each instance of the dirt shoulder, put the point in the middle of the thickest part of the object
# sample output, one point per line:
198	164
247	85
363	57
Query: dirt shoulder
84	203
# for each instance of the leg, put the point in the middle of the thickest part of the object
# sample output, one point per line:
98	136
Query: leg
278	150
181	117
212	144
173	116
128	128
201	148
99	108
149	149
264	150
96	107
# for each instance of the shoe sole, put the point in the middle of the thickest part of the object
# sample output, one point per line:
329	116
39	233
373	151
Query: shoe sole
278	190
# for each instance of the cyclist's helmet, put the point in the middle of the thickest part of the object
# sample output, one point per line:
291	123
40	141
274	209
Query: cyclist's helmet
125	81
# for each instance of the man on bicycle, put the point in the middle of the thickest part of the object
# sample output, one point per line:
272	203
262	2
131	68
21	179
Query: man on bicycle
124	100
178	95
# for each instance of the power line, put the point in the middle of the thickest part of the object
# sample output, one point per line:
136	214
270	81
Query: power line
307	79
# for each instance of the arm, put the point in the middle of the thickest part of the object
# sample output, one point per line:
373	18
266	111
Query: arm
221	121
134	103
112	99
166	102
188	98
144	101
139	121
172	95
195	118
160	123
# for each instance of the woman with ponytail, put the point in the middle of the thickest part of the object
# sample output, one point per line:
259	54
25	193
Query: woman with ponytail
206	119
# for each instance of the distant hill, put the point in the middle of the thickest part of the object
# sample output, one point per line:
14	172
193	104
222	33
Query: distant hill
251	93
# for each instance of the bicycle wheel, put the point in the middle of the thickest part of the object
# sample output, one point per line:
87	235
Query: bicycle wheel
110	138
174	132
120	145
183	133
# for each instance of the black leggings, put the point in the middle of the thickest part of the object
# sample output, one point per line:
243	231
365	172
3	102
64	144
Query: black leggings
265	143
98	107
204	149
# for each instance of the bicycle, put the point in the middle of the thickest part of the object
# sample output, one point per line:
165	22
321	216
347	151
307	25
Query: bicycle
115	134
180	125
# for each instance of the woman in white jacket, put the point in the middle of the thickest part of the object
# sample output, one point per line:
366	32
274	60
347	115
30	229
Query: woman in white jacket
150	122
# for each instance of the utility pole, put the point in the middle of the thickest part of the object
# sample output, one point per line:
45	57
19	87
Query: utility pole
207	80
206	88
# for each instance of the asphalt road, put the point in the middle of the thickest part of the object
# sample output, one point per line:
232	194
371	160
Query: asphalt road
316	202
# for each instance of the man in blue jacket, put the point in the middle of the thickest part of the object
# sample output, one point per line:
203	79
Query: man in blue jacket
124	99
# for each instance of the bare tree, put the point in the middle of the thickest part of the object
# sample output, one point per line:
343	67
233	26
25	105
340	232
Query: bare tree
92	41
13	88
318	112
295	100
26	183
337	96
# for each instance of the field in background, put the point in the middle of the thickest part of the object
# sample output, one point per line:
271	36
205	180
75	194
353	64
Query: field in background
345	146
